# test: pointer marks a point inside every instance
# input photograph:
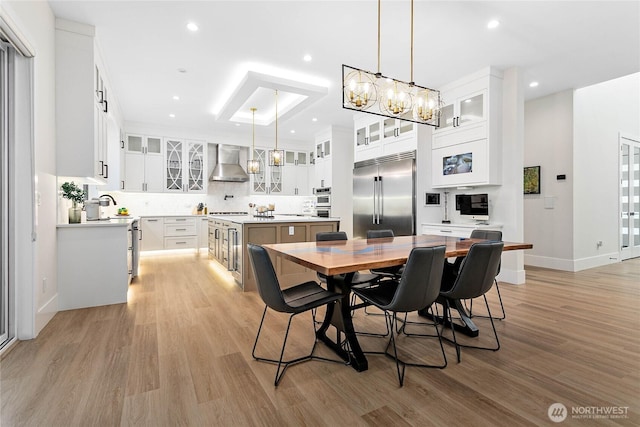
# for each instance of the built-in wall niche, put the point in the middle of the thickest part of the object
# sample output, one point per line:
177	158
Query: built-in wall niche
460	165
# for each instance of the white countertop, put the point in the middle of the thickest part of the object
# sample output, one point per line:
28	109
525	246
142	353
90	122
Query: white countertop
112	222
248	219
173	216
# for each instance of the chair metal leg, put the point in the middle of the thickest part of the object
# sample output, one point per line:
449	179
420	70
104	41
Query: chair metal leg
504	315
458	345
284	364
391	320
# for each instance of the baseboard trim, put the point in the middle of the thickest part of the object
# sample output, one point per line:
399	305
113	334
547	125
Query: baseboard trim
45	313
514	277
569	264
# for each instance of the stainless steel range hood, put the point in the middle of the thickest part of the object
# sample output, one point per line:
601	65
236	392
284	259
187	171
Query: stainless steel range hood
228	165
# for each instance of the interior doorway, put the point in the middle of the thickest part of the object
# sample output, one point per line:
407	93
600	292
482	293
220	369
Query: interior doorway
629	196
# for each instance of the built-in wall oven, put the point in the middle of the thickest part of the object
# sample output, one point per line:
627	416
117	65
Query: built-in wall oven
323	197
322	202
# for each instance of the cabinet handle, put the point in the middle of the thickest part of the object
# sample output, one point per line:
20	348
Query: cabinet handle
101	96
122	185
181	229
106	171
122	144
445	231
106	106
152	220
101	168
140	236
181	219
181	243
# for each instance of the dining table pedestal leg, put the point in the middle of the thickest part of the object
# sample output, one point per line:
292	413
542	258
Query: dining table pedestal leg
338	315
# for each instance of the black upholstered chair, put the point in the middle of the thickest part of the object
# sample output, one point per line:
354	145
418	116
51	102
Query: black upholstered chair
298	299
395	271
417	288
474	279
493	235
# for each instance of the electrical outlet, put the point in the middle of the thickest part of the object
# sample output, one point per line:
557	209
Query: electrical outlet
44	285
291	230
598	244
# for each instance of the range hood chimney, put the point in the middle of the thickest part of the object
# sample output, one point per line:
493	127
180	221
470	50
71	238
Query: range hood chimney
228	165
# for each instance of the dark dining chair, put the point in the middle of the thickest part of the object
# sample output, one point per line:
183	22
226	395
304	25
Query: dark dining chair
394	271
495	235
474	279
417	288
298	299
452	269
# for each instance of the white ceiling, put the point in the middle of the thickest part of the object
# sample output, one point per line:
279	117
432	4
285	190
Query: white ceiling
560	44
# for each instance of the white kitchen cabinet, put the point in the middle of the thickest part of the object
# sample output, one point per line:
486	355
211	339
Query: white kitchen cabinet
456	230
270	178
144	169
93	265
152	234
184	166
203	231
467	145
180	233
82	105
323	167
295	173
377	136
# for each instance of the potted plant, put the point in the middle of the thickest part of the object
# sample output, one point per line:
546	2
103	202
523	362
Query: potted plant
74	193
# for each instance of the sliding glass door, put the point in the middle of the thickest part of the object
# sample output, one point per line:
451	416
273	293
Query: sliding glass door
4	196
629	197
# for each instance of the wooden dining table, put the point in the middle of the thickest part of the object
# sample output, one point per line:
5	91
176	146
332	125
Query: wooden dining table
345	257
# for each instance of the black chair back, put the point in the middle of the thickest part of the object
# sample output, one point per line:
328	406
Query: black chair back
419	285
495	235
327	236
266	279
377	234
477	271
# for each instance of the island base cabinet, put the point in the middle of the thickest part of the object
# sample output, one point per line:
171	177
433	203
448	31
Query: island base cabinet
289	273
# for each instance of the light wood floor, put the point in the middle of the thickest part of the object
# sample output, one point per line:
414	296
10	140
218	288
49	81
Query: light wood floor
179	353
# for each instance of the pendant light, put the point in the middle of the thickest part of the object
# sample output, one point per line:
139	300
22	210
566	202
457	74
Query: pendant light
276	157
253	165
377	94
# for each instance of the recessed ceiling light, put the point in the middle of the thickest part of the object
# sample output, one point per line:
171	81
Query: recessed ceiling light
237	124
191	26
176	98
493	24
172	115
314	119
533	84
292	131
307	58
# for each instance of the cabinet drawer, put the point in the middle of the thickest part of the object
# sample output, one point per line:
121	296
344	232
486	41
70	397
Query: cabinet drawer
447	231
180	242
179	229
180	220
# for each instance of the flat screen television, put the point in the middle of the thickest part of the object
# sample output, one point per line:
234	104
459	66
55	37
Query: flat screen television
475	206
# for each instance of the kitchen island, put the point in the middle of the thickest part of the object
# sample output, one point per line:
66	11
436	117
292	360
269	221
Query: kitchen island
229	235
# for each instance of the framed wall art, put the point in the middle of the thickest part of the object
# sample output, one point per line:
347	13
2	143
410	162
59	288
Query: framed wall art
532	180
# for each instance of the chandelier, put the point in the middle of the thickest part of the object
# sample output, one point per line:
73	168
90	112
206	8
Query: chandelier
375	93
276	157
253	165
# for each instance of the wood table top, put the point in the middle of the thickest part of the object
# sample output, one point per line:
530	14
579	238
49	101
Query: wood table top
345	256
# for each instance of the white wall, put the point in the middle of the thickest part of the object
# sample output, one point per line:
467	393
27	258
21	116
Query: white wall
549	144
36	21
576	133
600	113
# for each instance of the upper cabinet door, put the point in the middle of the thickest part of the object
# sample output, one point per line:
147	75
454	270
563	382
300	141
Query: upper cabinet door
174	179
196	178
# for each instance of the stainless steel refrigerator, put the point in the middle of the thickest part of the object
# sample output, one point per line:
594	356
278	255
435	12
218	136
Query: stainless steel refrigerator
384	195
